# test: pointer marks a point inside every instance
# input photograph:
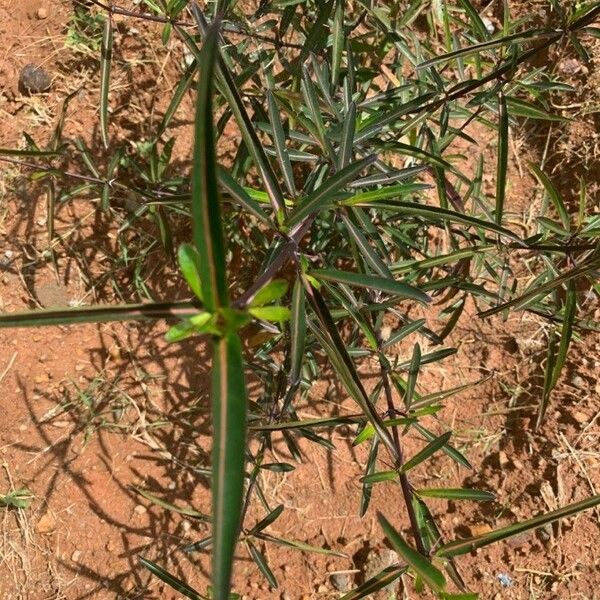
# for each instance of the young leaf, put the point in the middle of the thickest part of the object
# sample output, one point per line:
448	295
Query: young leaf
380	476
468	545
270	293
189	264
416	561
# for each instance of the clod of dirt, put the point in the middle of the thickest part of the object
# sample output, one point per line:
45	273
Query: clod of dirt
341	582
34	79
47	523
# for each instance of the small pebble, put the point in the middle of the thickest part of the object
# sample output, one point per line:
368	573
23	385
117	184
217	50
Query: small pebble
34	79
140	509
580	417
42	13
76	556
341	582
578	382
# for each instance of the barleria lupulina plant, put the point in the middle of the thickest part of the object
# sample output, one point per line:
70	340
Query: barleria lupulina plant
351	176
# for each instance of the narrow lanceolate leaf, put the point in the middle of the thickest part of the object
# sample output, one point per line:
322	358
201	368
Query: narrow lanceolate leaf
542	290
171	580
553	194
206	212
449	450
324	195
347	141
380	476
106	60
337	47
502	167
468	545
280	147
183	510
297	332
431	576
558	359
242	197
235	102
268	520
375	583
372	282
229	449
30	153
428	451
413	373
456	494
442	214
261	562
98	314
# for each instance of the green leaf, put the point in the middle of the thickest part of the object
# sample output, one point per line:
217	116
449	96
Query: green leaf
206	212
443	214
468	545
522	108
428	451
242	197
229	453
171	580
416	561
375	583
189	263
556	362
324	195
457	494
106	60
449	450
30	153
297	332
280	147
502	165
271	292
261	562
271	313
202	323
298	545
380	476
98	314
553	194
389	286
413	372
182	510
268	520
347	141
337	46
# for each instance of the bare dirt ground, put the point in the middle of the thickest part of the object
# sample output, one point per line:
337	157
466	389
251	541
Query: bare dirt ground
89	413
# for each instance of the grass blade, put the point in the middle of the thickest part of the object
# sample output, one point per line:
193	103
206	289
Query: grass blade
468	545
105	65
416	561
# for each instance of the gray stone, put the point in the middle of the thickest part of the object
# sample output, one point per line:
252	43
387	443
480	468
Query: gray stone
34	80
341	582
